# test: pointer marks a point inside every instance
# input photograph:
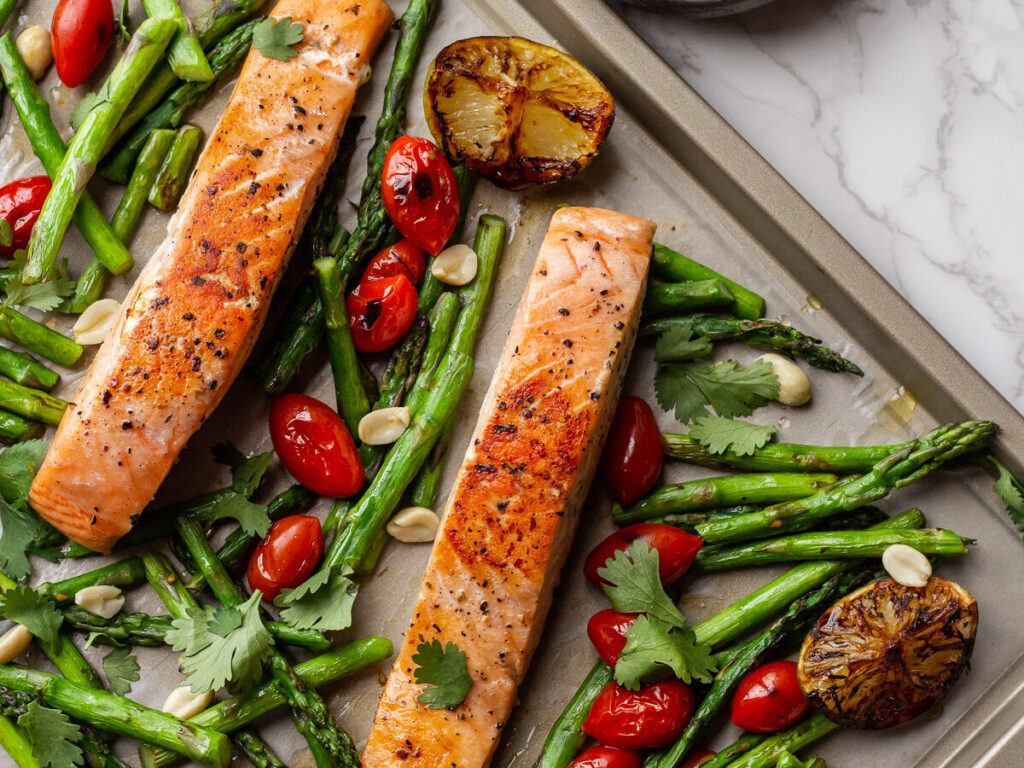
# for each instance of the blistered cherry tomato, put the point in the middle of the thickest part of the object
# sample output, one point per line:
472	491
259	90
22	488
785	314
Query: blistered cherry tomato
402	258
315	446
769	699
633	454
80	34
676	549
380	312
286	556
700	758
607	757
651	717
20	203
420	193
607	631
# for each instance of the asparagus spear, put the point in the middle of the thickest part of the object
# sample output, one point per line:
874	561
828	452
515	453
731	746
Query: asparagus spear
123	573
863	517
669	265
243	708
49	147
86	148
6	233
37	338
724	491
15	429
14	742
31	403
257	751
185	53
26	370
677	298
740	747
767	753
898	469
172	177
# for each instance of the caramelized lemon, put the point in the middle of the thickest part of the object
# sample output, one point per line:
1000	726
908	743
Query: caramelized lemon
514	111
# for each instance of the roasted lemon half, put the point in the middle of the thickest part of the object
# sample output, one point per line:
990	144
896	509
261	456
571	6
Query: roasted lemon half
514	111
887	653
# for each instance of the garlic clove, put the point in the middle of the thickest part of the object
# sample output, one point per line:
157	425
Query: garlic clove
455	265
93	324
384	425
103	600
414	525
183	704
906	565
794	386
34	46
14	643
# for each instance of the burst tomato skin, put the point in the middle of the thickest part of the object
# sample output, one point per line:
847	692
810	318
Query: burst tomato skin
402	258
80	34
676	549
607	631
20	203
380	312
769	699
607	757
286	556
420	193
315	446
633	455
646	719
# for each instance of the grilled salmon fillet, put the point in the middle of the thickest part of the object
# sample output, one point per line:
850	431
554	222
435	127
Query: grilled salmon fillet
513	511
189	323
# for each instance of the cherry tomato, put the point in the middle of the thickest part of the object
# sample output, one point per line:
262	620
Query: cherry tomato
315	446
633	454
769	699
607	757
651	717
80	34
286	556
699	759
420	193
607	631
402	258
676	549
20	203
380	312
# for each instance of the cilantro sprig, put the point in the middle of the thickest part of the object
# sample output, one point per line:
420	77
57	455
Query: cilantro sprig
633	584
24	532
275	38
678	343
1011	491
323	602
654	647
122	669
45	297
246	476
54	738
34	611
444	672
729	388
719	435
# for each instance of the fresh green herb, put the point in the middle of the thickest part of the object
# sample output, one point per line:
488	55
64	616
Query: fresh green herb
18	466
6	233
322	602
444	672
245	479
122	669
222	646
24	533
34	611
634	585
729	388
274	38
1010	490
124	24
652	646
45	297
248	475
719	435
678	343
53	736
88	103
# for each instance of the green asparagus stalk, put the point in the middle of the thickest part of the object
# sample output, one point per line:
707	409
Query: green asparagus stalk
566	736
740	747
257	751
37	338
172	178
863	517
86	148
424	488
6	233
26	370
31	403
781	457
14	742
898	469
185	53
15	429
724	491
49	147
243	708
767	753
679	298
669	265
123	573
6	9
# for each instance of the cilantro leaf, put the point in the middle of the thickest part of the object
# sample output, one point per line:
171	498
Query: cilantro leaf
444	672
212	660
6	233
121	669
25	533
652	646
34	611
1010	490
323	601
251	517
45	297
678	343
88	103
18	465
247	476
719	435
53	736
729	388
123	23
274	38
633	584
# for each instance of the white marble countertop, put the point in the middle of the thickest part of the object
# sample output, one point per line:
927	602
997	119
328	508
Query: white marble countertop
903	124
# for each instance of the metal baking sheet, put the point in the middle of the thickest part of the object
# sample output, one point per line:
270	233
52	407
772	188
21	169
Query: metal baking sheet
672	159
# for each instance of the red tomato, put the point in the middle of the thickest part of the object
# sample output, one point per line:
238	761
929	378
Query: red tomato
380	312
769	699
286	556
699	759
676	549
80	33
315	446
651	717
402	258
607	757
633	454
20	203
420	193
607	631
